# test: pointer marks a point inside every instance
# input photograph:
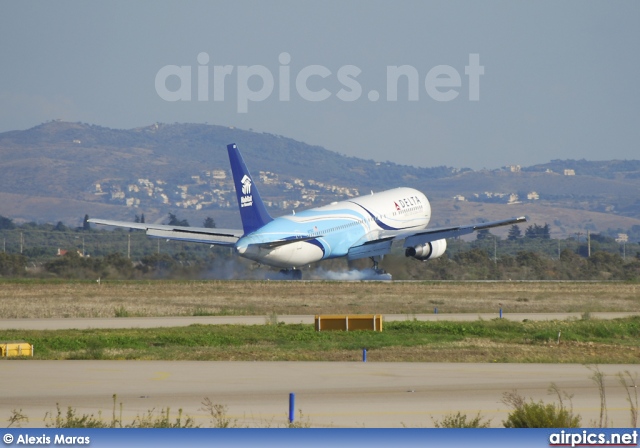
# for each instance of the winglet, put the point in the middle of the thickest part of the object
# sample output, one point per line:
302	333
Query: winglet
252	210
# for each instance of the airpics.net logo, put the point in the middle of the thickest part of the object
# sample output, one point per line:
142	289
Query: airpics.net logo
256	83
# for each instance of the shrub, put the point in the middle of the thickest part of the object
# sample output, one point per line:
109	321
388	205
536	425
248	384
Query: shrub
72	420
538	415
459	420
218	413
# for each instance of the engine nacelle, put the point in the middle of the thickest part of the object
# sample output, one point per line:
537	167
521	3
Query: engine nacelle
428	251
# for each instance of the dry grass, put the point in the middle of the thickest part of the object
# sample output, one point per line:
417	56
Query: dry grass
41	299
484	350
468	350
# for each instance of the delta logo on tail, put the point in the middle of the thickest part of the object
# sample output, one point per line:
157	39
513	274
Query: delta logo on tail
362	227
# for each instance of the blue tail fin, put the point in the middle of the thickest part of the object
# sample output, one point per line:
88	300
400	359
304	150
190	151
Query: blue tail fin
252	210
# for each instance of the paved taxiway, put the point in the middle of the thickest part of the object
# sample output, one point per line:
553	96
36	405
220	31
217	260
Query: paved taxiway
340	394
328	394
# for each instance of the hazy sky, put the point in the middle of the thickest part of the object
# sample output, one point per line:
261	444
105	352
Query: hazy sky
560	79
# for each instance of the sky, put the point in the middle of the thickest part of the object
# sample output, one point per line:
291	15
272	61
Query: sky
457	83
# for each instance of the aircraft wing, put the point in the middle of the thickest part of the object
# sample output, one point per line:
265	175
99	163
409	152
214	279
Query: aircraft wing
382	246
220	237
428	235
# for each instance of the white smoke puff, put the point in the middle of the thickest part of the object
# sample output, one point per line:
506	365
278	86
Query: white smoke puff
232	269
351	275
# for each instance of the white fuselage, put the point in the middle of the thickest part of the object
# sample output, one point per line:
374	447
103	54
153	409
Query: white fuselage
330	231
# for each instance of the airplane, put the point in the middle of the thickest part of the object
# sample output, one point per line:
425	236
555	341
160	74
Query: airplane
362	227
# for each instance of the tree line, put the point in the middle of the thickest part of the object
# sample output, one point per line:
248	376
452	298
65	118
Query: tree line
55	250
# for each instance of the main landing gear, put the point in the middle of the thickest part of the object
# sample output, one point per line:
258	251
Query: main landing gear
375	261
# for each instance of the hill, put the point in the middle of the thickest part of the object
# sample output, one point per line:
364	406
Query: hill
60	171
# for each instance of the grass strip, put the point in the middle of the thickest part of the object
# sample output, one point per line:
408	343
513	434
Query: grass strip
498	340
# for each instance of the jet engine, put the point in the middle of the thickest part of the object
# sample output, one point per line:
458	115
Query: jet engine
427	251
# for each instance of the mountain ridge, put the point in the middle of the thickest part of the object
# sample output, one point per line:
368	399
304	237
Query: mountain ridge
183	168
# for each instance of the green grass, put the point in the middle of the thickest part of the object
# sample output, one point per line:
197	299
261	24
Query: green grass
582	341
121	312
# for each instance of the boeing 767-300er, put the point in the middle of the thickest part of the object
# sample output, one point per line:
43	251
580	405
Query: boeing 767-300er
362	227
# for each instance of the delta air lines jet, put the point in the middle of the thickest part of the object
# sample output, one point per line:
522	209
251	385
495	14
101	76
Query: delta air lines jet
363	227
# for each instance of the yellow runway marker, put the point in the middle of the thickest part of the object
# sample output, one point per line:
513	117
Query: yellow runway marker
161	376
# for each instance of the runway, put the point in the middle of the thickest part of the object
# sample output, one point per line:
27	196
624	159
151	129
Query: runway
256	394
182	321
